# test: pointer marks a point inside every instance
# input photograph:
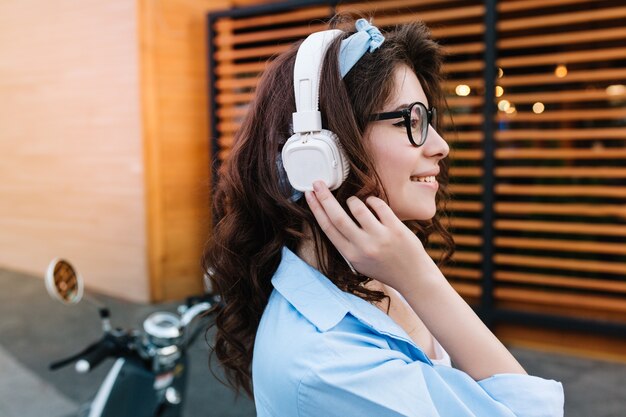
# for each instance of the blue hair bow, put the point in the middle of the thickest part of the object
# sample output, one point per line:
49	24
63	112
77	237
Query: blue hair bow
367	38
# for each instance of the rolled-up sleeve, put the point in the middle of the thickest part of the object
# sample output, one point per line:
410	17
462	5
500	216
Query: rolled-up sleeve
362	380
526	395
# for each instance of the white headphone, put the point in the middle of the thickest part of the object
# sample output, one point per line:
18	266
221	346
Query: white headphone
312	153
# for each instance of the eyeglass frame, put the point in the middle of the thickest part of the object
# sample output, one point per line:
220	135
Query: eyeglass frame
431	115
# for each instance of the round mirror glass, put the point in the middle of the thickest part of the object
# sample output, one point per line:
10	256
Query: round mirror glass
63	282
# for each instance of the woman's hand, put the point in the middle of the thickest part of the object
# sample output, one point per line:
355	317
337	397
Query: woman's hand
384	249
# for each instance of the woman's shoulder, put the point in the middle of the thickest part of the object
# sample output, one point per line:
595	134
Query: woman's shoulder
290	345
289	348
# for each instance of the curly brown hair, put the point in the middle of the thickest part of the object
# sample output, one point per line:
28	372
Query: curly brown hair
256	217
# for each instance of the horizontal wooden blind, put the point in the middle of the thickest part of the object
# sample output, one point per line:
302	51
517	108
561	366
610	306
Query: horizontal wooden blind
243	46
560	181
560	243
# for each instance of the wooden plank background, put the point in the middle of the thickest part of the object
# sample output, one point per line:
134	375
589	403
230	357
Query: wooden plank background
560	181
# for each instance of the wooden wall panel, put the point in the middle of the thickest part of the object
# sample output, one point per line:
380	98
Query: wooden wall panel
172	35
71	168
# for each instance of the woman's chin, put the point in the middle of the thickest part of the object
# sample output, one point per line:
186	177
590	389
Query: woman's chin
424	214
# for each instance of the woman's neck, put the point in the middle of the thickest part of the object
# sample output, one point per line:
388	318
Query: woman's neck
306	252
306	249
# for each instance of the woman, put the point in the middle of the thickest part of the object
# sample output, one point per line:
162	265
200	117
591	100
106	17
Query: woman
332	306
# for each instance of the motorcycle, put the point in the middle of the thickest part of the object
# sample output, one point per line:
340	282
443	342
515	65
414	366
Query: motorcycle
148	377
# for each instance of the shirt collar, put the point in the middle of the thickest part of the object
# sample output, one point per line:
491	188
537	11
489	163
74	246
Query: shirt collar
321	302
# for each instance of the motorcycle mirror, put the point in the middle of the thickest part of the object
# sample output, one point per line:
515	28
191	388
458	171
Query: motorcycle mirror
63	282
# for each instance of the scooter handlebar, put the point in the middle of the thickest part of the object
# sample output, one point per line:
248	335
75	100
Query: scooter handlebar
95	356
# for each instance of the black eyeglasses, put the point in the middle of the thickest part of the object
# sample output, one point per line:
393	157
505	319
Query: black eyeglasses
416	119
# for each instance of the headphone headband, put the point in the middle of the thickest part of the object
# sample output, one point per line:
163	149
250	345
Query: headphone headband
307	70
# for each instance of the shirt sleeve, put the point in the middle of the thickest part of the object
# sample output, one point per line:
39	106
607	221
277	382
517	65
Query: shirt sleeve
517	391
359	378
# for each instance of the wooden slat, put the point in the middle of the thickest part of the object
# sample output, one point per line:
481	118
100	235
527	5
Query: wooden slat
536	153
473	206
466	240
603	303
464	66
430	17
260	52
590	210
565	134
459	255
560	281
230	111
474	83
234	98
544	190
222	155
464	223
457	154
382	6
560	263
225	141
560	39
469	136
464	48
305	14
566	115
561	19
562	227
502	208
234	69
459	272
562	190
228	127
466	290
468	119
520	5
567	300
561	172
561	245
561	96
595	55
458	31
572	76
225	38
456	101
466	171
229	84
462	189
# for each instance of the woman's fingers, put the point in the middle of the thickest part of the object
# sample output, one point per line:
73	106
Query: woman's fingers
336	237
383	211
337	215
364	215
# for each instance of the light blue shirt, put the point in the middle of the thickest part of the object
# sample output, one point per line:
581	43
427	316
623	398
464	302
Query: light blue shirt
322	352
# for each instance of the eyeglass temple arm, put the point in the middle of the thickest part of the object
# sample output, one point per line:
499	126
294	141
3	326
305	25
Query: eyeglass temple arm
387	116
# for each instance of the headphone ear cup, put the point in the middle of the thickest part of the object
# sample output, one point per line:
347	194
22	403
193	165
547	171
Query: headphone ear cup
343	168
314	156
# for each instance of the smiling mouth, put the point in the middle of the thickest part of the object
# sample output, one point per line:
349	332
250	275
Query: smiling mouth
430	179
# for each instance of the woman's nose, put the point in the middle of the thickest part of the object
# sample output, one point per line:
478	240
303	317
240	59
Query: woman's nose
435	144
